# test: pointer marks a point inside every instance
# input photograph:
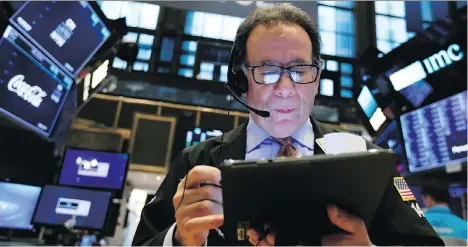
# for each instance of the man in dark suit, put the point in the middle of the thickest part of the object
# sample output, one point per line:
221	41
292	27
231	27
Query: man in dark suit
276	64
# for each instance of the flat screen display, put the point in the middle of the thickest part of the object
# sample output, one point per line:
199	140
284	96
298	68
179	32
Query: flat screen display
371	109
94	169
198	135
17	204
57	205
435	135
32	89
70	32
389	139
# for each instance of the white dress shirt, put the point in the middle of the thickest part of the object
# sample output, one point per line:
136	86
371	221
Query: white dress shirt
260	145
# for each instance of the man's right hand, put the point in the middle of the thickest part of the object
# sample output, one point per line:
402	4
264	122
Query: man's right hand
201	208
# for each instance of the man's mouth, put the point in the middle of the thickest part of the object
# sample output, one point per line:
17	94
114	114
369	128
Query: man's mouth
285	110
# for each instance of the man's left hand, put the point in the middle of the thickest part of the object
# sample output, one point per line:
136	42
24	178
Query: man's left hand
355	226
357	236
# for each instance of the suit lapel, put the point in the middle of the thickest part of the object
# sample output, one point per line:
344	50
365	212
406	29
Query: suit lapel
232	146
319	131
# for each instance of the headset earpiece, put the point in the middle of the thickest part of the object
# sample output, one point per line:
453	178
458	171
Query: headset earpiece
237	80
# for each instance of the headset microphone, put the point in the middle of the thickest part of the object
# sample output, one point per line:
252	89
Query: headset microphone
256	111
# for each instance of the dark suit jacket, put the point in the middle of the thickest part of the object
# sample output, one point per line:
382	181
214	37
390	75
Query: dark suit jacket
396	224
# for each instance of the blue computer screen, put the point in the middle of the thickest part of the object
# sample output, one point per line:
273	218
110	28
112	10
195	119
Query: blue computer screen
94	169
367	102
58	205
17	204
198	135
32	89
70	32
435	135
389	139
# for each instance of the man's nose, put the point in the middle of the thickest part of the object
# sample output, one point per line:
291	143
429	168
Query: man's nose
285	87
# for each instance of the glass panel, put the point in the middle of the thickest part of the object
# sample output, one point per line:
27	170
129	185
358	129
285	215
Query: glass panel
332	65
186	72
326	87
139	66
346	68
188	60
132	11
344	22
145	40
144	54
189	46
223	73
397	8
207	67
149	16
119	63
346	93
381	7
382	26
384	46
230	25
213	25
206	71
327	18
398	30
130	37
111	9
329	43
395	45
189	22
412	34
198	23
345	45
167	49
426	11
346	81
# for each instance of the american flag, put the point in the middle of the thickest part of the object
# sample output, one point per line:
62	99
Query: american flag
403	189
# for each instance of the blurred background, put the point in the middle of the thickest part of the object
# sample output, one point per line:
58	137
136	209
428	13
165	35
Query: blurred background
97	98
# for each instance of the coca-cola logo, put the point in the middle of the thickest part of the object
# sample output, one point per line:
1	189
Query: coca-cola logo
32	94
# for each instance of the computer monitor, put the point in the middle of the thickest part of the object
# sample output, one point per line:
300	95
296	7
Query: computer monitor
371	109
59	204
32	89
435	135
70	32
390	139
198	135
96	169
17	204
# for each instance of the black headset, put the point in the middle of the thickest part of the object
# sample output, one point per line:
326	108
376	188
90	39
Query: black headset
236	79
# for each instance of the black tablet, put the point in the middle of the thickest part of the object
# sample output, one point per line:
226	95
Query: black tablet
292	193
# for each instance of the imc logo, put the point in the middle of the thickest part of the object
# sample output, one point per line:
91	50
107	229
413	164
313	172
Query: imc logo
417	70
34	95
92	168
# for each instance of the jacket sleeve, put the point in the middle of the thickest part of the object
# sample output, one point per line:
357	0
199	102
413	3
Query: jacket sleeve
400	222
158	216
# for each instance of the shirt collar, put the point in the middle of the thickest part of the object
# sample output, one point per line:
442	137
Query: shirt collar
255	135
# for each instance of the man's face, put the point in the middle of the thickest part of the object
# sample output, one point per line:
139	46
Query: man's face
289	104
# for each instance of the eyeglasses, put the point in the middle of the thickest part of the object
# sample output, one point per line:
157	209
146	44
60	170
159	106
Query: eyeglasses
271	74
